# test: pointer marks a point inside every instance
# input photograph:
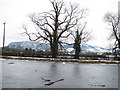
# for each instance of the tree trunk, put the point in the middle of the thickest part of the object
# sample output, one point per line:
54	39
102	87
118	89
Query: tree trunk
54	49
77	48
119	48
77	51
77	45
119	44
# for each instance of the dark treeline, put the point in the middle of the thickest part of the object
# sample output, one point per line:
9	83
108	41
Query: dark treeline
47	54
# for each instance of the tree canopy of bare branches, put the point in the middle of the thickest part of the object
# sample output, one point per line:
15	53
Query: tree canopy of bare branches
114	23
55	24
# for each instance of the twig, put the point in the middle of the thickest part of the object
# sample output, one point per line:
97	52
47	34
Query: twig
48	84
46	80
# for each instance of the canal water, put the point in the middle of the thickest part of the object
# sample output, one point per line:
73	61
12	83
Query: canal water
34	74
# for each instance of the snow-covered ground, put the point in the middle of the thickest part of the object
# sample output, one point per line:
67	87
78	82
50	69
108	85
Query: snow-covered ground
59	59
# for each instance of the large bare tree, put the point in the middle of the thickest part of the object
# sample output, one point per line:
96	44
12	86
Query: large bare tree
55	24
114	23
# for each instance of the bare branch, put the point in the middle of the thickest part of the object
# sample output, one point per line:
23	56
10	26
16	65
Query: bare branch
114	22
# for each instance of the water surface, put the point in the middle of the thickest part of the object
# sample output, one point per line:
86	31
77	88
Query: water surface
28	74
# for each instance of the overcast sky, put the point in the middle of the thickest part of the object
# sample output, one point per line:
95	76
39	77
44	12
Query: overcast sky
15	12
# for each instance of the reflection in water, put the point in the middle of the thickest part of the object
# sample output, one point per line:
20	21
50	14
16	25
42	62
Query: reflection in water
119	76
53	69
76	70
74	75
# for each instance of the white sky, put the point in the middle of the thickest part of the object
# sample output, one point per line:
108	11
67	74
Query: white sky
14	13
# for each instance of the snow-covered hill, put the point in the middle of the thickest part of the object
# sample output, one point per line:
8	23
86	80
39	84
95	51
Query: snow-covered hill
46	46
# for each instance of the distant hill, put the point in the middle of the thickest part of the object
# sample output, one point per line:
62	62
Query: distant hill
46	46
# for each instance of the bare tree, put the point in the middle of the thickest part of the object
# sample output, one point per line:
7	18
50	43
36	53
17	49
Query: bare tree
81	36
56	24
114	23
